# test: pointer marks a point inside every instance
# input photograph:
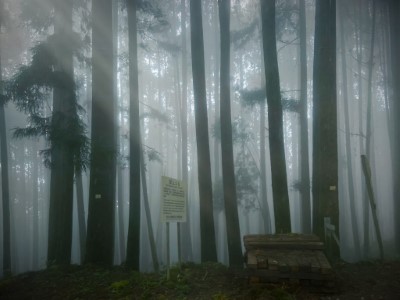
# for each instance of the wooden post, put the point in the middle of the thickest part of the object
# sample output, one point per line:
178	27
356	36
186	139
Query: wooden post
367	173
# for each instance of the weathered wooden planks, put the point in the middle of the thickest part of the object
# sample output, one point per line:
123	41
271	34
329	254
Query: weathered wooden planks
293	257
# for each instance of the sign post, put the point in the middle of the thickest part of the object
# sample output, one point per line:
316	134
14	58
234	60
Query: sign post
173	206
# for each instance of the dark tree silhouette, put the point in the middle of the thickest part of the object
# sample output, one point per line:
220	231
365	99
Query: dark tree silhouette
207	231
100	231
228	169
275	120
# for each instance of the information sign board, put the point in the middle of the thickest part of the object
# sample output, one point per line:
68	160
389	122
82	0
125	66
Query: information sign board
173	200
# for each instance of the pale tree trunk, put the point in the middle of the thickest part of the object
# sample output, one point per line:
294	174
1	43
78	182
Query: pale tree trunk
35	207
368	133
304	161
186	240
352	196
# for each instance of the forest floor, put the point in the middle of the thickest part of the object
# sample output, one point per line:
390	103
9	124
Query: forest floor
367	280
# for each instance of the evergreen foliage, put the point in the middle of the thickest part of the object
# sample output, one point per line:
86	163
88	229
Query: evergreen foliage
30	90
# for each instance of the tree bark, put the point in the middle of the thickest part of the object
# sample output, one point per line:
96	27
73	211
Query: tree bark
325	152
133	243
228	169
5	187
304	152
275	120
62	166
394	10
100	228
207	231
350	181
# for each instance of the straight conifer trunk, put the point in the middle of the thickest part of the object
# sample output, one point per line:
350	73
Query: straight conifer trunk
275	120
133	243
5	187
207	231
304	161
325	152
228	169
394	11
100	231
62	166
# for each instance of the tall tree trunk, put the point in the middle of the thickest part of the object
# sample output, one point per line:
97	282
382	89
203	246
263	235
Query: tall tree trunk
147	211
133	243
207	231
228	169
275	120
100	228
263	173
368	132
352	196
304	161
5	187
186	240
81	214
62	167
325	152
361	133
35	207
394	9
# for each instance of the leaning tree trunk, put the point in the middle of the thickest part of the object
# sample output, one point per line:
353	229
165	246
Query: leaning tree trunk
275	120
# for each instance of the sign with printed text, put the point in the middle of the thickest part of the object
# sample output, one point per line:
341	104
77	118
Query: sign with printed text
173	200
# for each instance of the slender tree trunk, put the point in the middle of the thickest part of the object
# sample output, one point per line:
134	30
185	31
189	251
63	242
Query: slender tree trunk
133	251
304	161
207	231
35	208
228	169
186	240
394	9
352	196
148	215
263	172
275	120
360	56
5	187
81	214
368	133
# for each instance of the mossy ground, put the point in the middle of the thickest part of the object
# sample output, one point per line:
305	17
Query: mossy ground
195	281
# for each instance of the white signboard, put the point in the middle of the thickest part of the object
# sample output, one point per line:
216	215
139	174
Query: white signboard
173	200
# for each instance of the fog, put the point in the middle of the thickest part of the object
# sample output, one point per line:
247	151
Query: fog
364	100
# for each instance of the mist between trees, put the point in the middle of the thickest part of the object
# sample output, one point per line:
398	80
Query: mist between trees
262	109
